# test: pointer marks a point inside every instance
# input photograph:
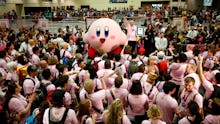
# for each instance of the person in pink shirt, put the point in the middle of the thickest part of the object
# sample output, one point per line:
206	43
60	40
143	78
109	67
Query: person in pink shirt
131	34
170	108
109	73
149	89
46	80
191	72
31	82
193	115
117	92
3	62
155	114
126	55
12	75
211	92
84	114
190	94
118	64
64	52
137	103
140	75
59	113
52	61
95	97
64	83
35	57
115	114
16	104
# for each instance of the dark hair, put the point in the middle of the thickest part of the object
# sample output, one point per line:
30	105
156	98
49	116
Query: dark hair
194	110
91	70
136	88
107	64
21	59
2	53
134	55
10	92
217	77
35	49
63	80
57	97
182	57
168	86
118	81
46	74
79	61
60	67
141	68
43	106
117	57
196	51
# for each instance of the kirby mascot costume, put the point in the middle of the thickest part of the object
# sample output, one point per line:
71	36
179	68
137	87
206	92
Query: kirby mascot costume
105	34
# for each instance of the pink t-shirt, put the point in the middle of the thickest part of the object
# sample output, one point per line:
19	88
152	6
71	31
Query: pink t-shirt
50	86
12	76
57	114
67	54
35	59
139	76
212	119
170	108
151	91
110	80
3	63
153	122
137	104
185	120
18	104
30	85
116	93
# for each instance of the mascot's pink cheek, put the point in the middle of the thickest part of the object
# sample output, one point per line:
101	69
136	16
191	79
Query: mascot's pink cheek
112	37
93	37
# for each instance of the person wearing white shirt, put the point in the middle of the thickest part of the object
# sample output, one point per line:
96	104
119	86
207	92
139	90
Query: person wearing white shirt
131	34
161	42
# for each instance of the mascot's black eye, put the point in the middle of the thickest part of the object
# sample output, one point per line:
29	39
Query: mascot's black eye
106	31
98	31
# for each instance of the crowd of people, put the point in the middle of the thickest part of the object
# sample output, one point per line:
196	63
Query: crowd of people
48	78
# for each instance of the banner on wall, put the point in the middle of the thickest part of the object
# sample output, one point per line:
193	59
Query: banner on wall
207	2
43	24
4	23
118	1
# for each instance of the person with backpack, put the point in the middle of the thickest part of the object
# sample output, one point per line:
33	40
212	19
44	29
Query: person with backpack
117	64
116	91
148	87
140	75
64	54
189	94
84	114
47	80
193	114
212	96
132	66
58	114
31	82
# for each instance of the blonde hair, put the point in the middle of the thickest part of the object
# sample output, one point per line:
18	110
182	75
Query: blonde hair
64	44
154	112
115	112
31	42
89	85
193	66
52	60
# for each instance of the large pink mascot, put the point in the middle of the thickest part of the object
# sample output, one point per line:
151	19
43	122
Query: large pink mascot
105	34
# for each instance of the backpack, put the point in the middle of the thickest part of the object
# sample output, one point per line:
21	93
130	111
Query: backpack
65	60
62	121
132	68
162	66
31	119
95	65
41	94
22	72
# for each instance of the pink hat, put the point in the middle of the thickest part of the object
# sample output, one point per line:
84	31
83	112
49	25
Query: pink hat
177	73
209	64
